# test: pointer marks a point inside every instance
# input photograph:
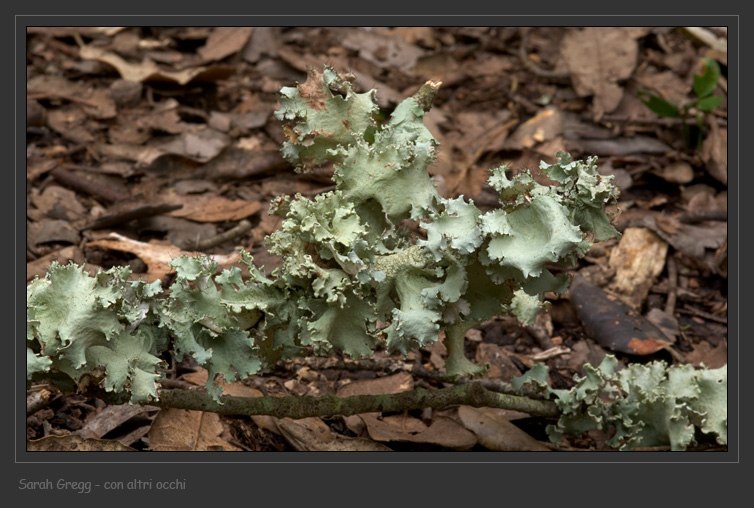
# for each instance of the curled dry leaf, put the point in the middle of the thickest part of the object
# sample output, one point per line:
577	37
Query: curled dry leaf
715	152
211	208
612	323
148	70
496	433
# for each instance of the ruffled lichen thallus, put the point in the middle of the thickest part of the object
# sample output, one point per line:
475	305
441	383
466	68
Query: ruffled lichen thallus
354	276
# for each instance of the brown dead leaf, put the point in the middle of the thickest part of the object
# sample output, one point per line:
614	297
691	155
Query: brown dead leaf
183	430
401	382
691	239
383	50
147	70
96	103
57	202
309	436
443	431
437	354
200	144
597	59
667	85
235	389
74	443
211	207
496	433
715	152
583	352
264	40
110	418
69	122
50	230
38	267
224	41
664	321
677	172
623	146
612	323
143	156
711	357
70	31
499	360
638	260
544	126
414	34
36	166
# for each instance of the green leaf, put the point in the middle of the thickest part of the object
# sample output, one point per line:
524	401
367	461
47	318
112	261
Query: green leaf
659	105
709	103
706	81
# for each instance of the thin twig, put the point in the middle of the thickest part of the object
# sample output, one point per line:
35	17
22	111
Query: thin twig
704	315
665	122
391	366
79	183
238	230
672	285
37	400
703	215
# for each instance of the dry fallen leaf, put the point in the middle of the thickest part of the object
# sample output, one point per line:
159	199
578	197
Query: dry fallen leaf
308	436
401	382
211	208
715	152
183	430
224	41
74	443
443	431
201	144
545	126
496	433
110	418
597	59
638	260
148	70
